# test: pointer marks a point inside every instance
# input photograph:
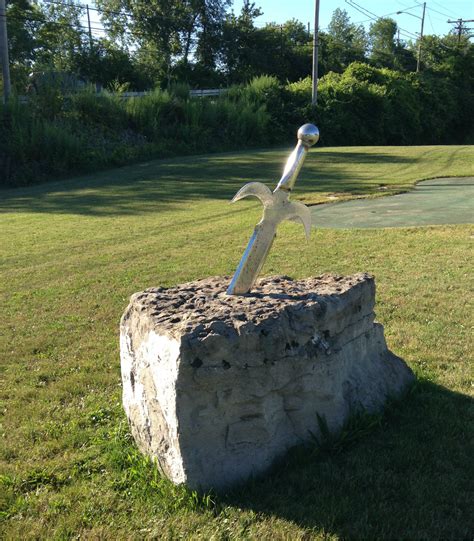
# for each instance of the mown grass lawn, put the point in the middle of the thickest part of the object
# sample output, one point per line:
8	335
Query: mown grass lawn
72	254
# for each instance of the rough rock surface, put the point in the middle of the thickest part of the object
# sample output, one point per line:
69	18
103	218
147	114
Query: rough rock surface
217	387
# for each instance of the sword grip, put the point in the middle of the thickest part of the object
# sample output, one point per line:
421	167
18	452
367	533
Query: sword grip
308	135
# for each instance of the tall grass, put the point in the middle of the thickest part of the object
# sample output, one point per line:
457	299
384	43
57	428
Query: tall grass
85	131
33	148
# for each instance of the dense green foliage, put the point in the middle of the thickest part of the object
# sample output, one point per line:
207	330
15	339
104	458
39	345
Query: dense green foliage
53	135
366	106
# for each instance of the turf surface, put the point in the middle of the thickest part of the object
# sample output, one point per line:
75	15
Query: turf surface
73	253
432	202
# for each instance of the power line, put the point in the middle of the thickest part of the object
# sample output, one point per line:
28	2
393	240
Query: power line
435	10
84	6
408	8
434	32
362	22
77	26
49	22
381	16
441	6
371	14
402	4
435	17
362	9
375	17
112	12
431	23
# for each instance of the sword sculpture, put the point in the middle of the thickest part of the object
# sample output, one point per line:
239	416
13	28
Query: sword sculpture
276	208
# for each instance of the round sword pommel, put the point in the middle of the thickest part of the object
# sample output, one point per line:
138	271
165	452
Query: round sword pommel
308	134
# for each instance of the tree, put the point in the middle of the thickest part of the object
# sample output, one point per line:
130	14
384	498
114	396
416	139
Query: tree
281	50
343	43
382	42
240	45
60	38
168	32
405	58
285	50
23	20
43	37
110	66
444	54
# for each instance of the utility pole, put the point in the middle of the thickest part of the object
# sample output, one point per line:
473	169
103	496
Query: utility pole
89	23
314	99
4	52
460	27
421	38
281	44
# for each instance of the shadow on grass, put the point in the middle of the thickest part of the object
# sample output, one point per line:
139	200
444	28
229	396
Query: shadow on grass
412	477
150	186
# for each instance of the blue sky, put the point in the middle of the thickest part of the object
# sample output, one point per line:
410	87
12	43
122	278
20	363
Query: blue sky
437	12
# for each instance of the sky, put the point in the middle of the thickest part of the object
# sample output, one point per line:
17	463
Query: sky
437	12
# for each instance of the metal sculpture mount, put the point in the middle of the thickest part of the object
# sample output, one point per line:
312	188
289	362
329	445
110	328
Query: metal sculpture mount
276	208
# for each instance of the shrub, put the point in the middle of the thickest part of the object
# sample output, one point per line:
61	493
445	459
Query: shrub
91	131
55	135
102	110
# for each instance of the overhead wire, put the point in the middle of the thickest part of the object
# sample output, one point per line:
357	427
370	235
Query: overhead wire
113	12
402	3
44	21
376	17
435	10
54	23
441	6
431	22
85	6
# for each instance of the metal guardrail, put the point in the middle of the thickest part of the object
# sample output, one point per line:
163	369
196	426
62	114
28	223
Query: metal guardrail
202	93
207	92
199	93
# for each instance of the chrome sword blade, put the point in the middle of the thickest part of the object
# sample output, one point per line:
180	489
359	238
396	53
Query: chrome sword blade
252	259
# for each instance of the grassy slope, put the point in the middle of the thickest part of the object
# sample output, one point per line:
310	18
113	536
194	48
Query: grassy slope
72	255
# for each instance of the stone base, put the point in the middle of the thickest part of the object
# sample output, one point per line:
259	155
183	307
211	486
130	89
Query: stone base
217	387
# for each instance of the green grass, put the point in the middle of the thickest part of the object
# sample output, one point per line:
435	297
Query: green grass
73	253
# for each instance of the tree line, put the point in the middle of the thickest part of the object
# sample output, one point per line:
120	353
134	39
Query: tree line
145	44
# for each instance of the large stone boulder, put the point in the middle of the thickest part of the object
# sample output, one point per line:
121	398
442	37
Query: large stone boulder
216	387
